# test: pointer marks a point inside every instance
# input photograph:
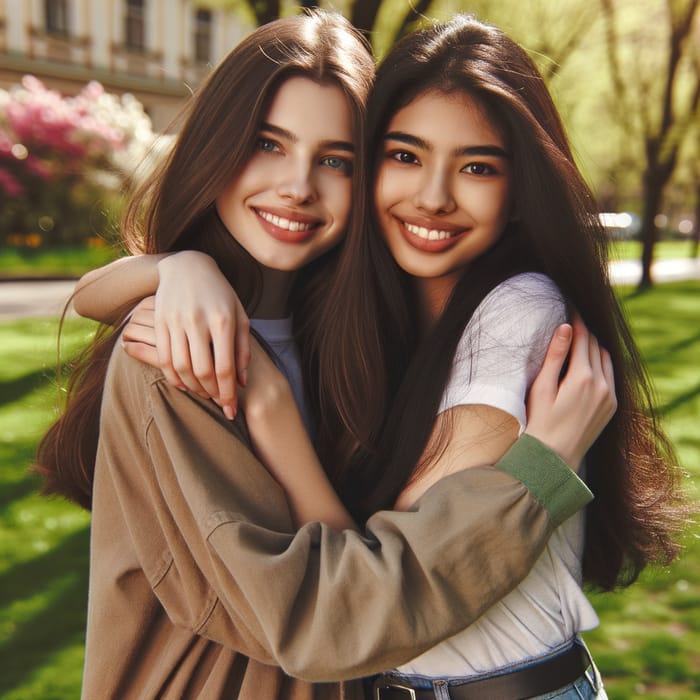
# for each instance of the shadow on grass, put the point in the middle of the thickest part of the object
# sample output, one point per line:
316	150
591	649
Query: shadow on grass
58	624
664	353
679	400
16	389
18	490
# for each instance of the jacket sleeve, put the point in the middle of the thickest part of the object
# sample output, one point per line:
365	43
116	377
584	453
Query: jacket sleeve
328	605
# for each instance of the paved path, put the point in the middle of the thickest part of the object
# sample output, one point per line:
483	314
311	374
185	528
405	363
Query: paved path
34	298
630	271
47	298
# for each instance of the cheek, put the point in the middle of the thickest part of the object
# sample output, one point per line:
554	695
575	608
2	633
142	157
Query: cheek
346	195
386	187
226	201
338	200
493	206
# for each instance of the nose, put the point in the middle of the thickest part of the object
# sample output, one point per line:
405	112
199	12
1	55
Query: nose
297	183
434	194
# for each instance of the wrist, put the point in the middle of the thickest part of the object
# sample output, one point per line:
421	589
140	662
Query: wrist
563	451
184	260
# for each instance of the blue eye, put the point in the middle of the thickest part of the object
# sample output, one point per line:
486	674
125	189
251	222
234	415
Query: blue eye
338	163
267	145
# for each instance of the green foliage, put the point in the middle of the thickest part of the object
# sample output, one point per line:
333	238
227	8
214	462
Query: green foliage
648	641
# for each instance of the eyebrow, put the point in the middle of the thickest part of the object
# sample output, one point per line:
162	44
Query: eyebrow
411	140
289	136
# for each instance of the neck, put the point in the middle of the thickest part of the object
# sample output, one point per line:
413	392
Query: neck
433	294
274	300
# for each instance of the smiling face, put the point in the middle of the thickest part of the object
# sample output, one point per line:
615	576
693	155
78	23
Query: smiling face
442	193
291	202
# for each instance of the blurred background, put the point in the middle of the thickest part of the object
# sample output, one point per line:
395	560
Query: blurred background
89	90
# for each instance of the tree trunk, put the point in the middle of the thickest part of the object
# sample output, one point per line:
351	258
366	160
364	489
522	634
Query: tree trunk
695	244
652	193
418	8
266	11
364	14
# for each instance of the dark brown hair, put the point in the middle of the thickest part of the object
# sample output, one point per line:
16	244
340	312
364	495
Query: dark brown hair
174	210
373	363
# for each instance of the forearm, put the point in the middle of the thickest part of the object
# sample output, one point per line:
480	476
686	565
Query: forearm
283	445
105	293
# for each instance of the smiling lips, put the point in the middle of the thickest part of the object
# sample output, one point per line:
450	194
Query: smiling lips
287	229
433	240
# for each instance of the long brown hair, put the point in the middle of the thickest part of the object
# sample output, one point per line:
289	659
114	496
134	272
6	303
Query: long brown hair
372	359
174	210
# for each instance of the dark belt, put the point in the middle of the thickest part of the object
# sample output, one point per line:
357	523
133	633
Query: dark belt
528	682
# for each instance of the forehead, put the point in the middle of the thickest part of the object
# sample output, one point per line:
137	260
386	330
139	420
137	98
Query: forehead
310	110
452	119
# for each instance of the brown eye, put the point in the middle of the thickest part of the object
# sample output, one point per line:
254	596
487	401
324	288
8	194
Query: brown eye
403	157
479	169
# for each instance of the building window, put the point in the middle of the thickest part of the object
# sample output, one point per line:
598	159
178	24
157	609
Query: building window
202	36
56	16
135	25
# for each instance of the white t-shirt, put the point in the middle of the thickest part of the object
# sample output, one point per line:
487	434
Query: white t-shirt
497	359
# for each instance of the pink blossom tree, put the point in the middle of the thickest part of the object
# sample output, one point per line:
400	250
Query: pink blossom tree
63	160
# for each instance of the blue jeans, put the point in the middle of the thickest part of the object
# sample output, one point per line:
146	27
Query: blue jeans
589	686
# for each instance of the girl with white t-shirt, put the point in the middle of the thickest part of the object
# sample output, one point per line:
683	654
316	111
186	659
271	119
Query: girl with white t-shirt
484	238
478	201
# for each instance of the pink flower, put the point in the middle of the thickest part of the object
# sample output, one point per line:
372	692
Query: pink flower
38	168
8	183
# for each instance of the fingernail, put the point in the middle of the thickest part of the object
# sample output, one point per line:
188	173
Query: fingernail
229	412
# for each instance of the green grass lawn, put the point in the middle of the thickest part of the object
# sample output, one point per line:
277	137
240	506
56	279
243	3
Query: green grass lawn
632	250
43	542
648	644
47	262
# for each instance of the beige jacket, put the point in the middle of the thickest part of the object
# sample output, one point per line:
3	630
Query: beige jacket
199	588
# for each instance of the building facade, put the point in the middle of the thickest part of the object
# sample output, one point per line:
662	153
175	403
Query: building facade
158	50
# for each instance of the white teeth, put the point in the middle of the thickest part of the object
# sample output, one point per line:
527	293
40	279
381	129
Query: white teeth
281	222
432	234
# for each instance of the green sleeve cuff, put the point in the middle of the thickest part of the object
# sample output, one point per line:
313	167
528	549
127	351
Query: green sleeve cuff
547	476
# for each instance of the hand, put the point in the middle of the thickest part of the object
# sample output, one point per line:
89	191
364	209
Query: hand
569	414
195	329
139	336
201	329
